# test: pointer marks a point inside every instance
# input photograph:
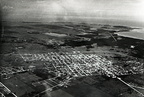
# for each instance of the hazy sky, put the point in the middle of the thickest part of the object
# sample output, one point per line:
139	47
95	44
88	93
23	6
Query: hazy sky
65	9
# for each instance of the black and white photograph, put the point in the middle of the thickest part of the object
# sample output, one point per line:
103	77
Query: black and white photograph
72	48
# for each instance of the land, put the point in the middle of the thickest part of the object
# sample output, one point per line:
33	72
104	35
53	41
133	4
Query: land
65	59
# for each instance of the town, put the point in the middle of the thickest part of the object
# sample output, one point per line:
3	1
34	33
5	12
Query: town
67	55
66	66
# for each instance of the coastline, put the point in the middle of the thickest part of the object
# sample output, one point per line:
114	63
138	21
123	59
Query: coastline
136	34
129	36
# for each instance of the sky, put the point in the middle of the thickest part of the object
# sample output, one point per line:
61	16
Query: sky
47	10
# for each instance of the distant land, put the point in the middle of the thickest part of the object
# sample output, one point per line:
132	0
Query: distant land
136	33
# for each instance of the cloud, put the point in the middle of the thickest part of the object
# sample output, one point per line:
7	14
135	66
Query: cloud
7	7
65	9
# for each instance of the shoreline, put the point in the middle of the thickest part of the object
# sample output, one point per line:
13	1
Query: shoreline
135	33
129	36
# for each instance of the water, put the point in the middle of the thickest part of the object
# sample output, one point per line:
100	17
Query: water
136	33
